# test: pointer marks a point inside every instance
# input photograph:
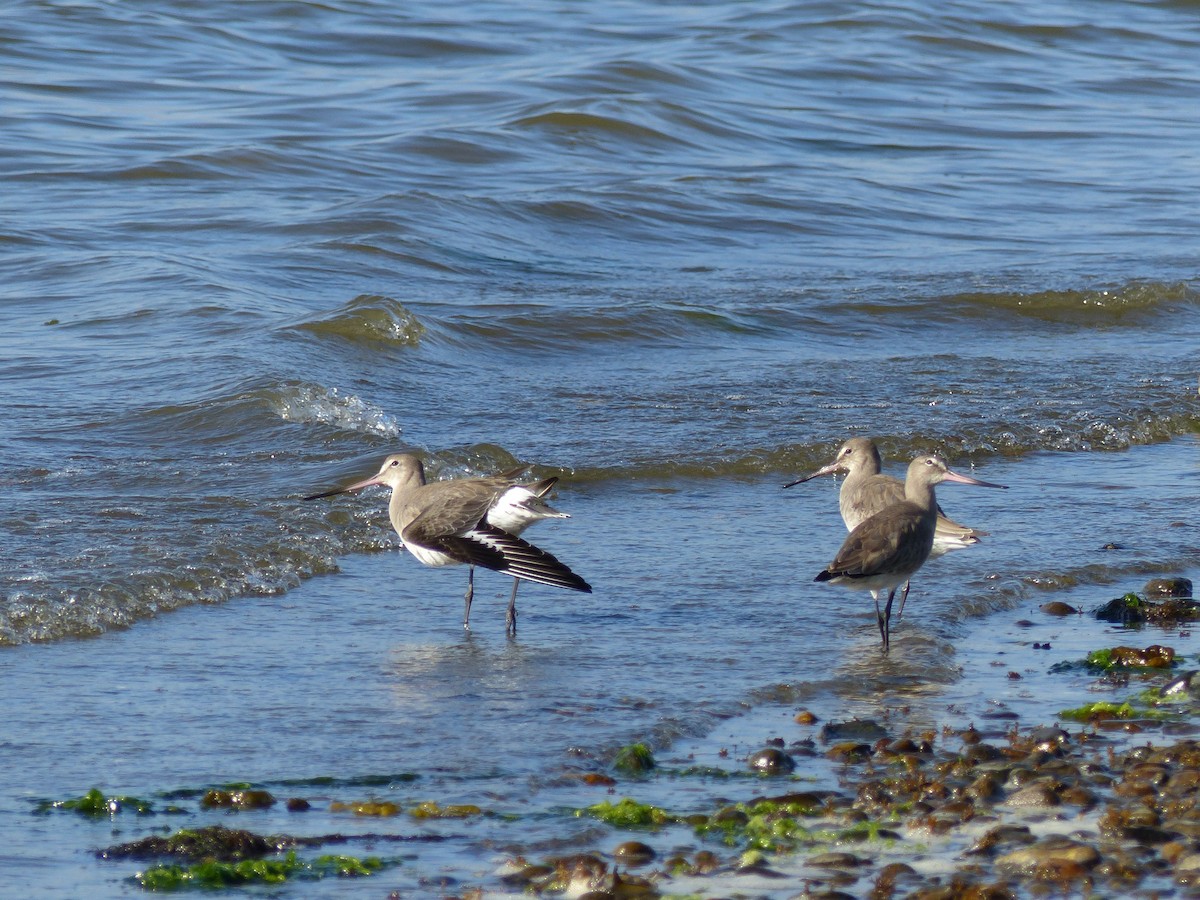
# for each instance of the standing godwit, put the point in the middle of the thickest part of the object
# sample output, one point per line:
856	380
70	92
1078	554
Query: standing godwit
884	550
865	491
471	521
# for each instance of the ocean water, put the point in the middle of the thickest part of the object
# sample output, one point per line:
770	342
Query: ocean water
674	254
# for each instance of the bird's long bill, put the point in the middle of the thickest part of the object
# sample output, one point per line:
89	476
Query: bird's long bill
824	470
374	479
951	475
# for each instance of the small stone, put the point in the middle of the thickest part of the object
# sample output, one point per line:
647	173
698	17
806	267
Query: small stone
1035	795
298	804
849	752
1049	857
1179	588
238	799
771	761
1000	836
634	853
1048	738
1188	864
854	730
985	787
731	814
835	860
1187	683
804	717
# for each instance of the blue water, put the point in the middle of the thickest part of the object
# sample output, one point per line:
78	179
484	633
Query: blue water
674	254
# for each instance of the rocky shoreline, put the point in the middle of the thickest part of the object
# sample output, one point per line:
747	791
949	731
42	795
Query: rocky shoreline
1102	798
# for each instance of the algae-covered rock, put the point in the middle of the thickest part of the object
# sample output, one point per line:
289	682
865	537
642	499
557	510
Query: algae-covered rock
367	807
1175	588
634	759
96	803
240	798
212	842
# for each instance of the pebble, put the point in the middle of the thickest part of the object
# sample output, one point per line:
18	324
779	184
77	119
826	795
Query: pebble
1054	854
1036	794
771	761
854	730
634	853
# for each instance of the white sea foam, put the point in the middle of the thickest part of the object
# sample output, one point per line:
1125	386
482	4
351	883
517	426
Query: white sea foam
308	403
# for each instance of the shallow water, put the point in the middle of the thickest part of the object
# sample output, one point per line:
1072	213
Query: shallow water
672	254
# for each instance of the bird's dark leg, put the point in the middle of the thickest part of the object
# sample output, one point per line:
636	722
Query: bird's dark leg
903	598
878	615
510	618
885	621
470	595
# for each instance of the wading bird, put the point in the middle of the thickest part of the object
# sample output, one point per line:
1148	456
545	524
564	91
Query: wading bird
866	491
473	522
884	550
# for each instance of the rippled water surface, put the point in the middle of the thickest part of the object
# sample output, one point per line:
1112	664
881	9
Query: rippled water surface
674	254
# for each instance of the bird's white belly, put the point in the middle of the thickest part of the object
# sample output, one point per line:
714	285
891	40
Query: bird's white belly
431	557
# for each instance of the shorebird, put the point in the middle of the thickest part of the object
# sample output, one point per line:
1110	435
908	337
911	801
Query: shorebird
866	491
884	550
471	521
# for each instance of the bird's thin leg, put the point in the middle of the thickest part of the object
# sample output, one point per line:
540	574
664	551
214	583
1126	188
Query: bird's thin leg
878	614
885	622
470	595
510	618
903	598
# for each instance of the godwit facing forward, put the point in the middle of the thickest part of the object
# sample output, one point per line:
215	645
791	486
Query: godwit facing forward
865	491
884	550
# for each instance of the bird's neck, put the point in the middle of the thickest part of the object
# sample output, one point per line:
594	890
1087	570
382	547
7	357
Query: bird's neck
921	494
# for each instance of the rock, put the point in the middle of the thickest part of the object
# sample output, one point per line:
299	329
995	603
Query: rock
1034	795
1187	684
634	853
1000	836
854	730
211	842
1058	608
804	717
1048	738
985	787
238	799
1188	864
1175	588
771	761
1051	857
849	752
732	815
1153	657
835	860
982	752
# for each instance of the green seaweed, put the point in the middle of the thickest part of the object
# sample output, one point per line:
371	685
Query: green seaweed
635	759
1101	709
95	803
628	813
216	874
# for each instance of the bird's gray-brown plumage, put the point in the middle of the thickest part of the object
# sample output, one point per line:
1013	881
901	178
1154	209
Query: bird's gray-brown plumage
866	491
884	550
